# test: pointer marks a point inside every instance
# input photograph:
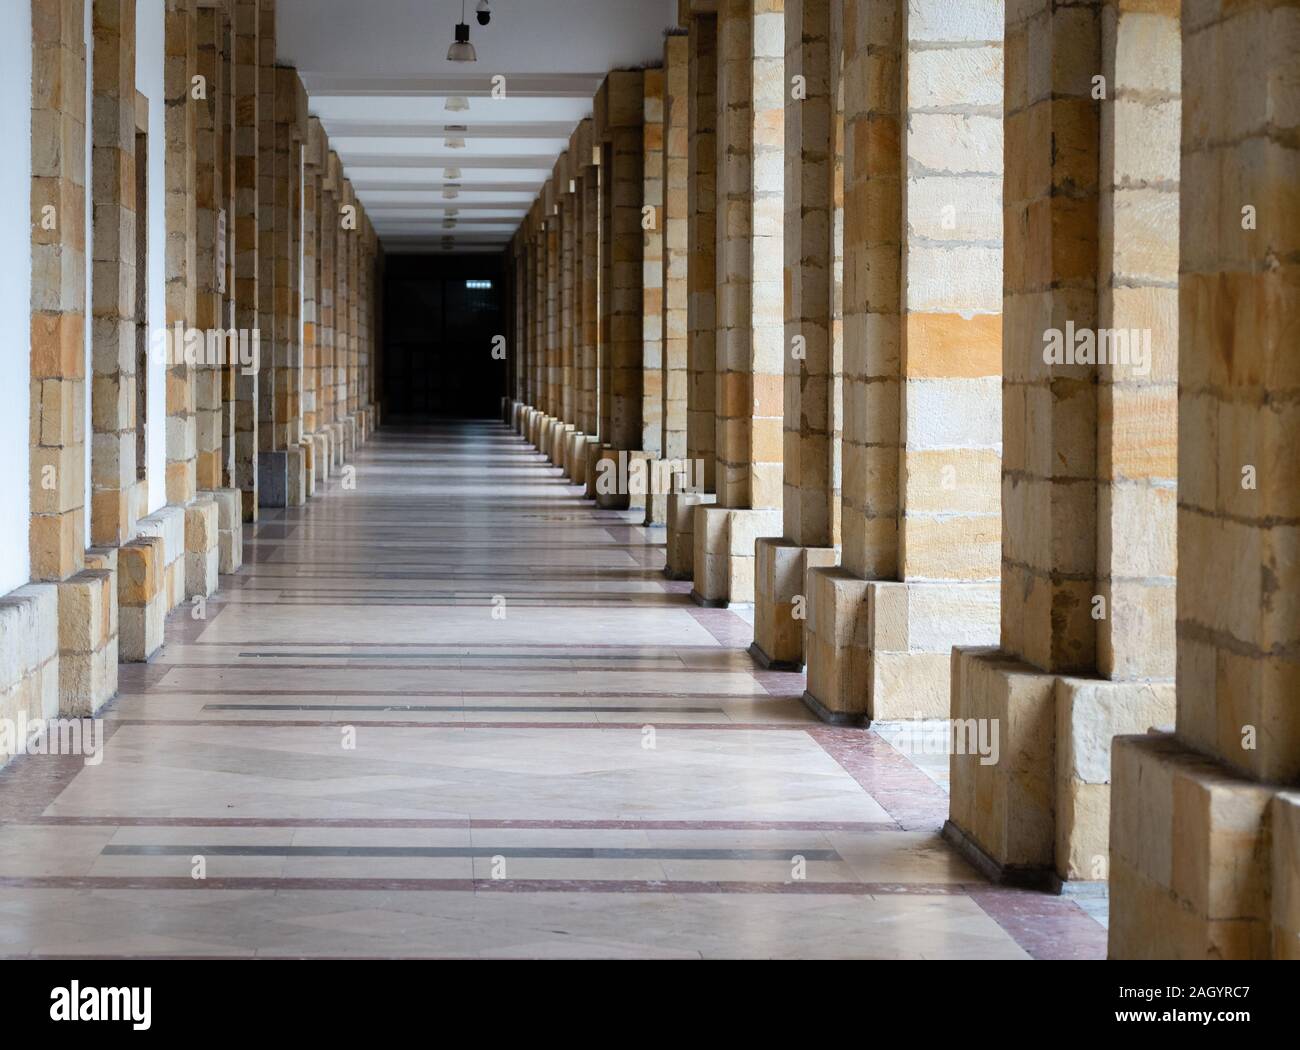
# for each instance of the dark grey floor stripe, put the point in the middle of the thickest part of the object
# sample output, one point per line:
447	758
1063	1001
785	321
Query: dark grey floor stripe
540	852
468	708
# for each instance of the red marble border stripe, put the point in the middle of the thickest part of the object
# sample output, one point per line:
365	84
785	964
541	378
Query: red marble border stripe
903	791
1044	925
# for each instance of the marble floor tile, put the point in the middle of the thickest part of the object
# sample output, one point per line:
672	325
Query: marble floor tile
458	712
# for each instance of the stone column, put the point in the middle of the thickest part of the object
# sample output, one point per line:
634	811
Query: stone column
213	118
589	181
68	634
519	333
540	379
182	59
209	201
813	355
247	75
312	400
114	469
327	245
1087	472
750	301
674	219
342	310
653	254
288	460
189	525
272	471
620	121
701	281
575	453
567	225
1205	822
922	305
354	237
652	262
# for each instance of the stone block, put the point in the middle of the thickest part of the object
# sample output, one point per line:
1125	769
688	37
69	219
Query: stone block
1286	876
1090	714
29	625
1003	802
203	567
1192	860
230	529
835	638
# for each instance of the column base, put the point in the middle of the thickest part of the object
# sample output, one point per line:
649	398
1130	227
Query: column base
321	459
308	447
338	451
575	458
856	719
725	540
664	479
559	442
1029	877
168	523
141	602
1031	761
622	478
780	604
681	532
1205	863
591	474
230	530
883	648
29	658
88	638
296	458
202	549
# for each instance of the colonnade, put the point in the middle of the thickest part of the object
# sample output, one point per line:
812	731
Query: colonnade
957	339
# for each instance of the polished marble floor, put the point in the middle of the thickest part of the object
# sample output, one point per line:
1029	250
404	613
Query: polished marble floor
455	711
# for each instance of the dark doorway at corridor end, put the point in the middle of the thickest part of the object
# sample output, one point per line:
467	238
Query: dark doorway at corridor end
441	315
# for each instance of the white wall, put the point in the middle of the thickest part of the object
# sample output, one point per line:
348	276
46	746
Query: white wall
89	37
15	291
149	60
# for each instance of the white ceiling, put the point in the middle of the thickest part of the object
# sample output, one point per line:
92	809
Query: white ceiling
379	79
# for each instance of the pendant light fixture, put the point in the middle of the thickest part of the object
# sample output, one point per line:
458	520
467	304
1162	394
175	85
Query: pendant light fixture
462	50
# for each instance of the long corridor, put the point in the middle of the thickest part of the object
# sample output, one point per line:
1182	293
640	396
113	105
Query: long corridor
450	709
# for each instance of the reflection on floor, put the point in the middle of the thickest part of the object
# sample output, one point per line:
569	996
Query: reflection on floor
457	712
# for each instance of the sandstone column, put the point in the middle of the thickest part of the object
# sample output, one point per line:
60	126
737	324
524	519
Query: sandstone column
675	222
619	122
652	262
701	282
69	663
750	300
312	348
328	248
1205	822
1088	489
567	221
584	358
922	344
814	180
114	469
188	525
247	74
589	186
213	117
